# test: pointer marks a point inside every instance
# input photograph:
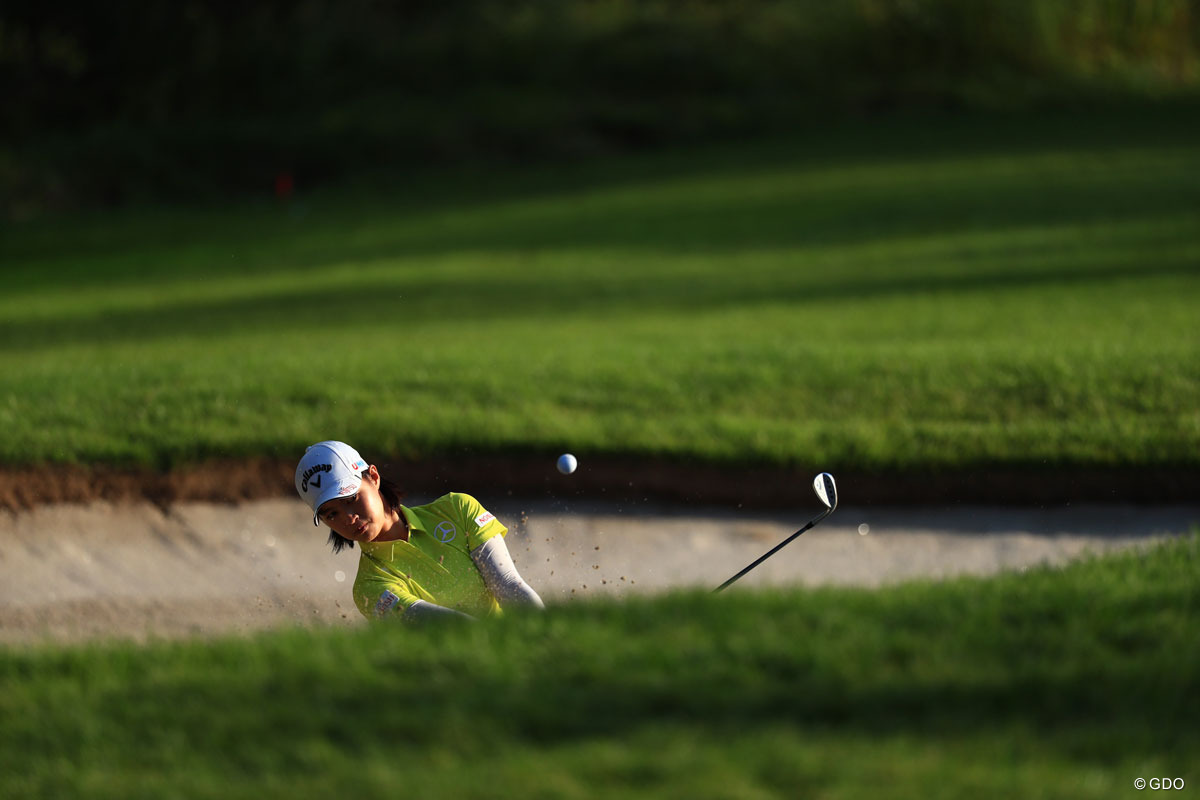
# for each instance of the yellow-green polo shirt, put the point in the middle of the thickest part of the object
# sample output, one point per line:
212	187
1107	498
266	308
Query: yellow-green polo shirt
434	565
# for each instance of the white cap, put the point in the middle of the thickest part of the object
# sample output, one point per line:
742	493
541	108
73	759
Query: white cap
328	470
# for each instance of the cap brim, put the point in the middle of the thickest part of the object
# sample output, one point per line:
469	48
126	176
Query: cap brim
346	489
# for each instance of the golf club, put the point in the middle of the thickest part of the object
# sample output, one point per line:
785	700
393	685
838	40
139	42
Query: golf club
826	490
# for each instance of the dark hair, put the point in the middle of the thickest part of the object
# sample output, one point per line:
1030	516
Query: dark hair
390	492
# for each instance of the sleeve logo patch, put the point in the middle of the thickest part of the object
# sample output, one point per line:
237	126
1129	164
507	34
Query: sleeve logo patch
484	519
387	601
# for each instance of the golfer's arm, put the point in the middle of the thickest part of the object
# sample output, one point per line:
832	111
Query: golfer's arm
396	602
423	611
501	576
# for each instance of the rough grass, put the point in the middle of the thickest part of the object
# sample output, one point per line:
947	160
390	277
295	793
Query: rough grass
924	294
1063	682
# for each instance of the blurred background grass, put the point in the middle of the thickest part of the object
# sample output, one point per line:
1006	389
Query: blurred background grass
138	100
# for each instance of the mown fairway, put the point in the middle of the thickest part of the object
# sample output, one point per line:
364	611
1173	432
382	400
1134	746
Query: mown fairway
1054	683
921	293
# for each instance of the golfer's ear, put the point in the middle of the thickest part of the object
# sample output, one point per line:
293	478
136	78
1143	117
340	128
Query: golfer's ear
373	474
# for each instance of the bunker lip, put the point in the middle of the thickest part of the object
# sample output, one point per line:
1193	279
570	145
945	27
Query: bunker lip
609	478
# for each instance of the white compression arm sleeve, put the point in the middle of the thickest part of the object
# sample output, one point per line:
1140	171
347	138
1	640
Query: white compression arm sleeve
501	576
422	611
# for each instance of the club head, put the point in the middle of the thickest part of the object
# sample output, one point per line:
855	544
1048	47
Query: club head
826	489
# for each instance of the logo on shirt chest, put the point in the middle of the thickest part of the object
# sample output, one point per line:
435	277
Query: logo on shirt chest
445	532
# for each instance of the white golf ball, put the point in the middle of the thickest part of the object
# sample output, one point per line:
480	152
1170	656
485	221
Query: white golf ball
567	463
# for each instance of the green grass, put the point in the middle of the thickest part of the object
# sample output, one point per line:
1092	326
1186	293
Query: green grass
921	293
1056	682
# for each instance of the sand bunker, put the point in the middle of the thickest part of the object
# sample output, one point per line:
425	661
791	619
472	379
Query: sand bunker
134	570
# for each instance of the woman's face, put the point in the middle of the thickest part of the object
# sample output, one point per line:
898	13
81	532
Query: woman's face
360	517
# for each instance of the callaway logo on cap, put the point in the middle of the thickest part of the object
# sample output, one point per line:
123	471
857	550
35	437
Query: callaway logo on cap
328	470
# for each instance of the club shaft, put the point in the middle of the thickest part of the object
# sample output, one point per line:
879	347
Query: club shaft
774	549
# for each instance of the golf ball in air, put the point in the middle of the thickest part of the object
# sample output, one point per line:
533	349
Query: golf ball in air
567	463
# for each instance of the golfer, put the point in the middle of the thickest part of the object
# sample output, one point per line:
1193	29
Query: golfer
445	558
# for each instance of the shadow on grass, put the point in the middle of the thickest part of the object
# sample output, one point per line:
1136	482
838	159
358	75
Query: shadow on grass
836	143
433	297
907	177
1099	713
1093	662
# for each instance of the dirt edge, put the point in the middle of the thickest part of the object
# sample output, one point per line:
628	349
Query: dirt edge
609	478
